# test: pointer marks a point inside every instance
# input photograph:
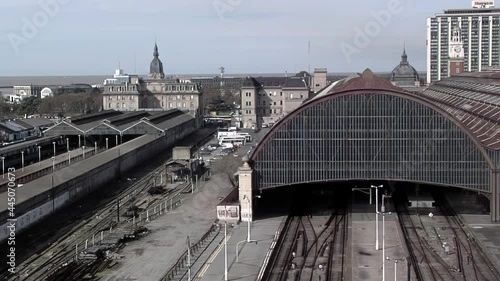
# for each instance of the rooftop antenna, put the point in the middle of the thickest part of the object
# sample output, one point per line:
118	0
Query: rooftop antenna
135	65
309	54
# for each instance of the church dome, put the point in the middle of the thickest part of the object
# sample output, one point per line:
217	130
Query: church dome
404	74
156	67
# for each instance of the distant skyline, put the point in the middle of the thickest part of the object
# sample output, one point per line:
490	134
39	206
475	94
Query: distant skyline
94	37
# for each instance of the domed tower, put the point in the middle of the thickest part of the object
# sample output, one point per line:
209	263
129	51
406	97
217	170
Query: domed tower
156	67
405	75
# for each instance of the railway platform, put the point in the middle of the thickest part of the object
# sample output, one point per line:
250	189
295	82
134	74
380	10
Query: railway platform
365	261
251	256
36	170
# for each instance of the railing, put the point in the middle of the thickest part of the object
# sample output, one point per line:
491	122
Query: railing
181	266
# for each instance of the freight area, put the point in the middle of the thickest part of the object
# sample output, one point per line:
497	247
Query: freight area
37	199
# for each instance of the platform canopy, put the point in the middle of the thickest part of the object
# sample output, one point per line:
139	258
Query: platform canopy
111	122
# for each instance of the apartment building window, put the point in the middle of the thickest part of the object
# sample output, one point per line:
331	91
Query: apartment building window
192	97
162	104
110	98
291	96
117	105
274	93
281	94
123	105
183	105
192	104
275	111
274	103
281	102
178	97
270	111
170	105
264	103
301	96
109	105
178	104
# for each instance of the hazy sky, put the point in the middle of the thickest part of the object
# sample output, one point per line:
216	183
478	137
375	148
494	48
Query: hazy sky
198	36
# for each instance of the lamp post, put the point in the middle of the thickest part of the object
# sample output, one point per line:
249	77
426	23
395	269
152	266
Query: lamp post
376	214
95	150
107	144
22	160
83	148
225	250
79	141
39	155
189	258
383	234
54	144
396	267
53	164
249	223
67	144
116	140
3	167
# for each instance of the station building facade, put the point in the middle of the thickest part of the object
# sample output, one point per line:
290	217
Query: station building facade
156	92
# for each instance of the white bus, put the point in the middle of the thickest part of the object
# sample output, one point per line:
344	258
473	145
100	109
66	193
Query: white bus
232	140
246	135
225	133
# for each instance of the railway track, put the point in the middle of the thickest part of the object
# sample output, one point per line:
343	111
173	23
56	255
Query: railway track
61	252
428	265
464	261
311	248
42	265
64	250
473	262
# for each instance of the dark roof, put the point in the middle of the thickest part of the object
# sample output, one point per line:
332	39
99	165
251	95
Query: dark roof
474	100
258	82
23	124
82	119
295	82
126	117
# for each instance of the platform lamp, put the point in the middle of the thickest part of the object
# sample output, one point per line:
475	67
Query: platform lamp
39	155
83	149
22	160
67	144
54	144
383	213
376	214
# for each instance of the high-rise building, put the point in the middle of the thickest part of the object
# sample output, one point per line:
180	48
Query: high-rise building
463	40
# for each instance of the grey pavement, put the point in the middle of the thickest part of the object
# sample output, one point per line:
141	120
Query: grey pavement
366	262
149	258
251	255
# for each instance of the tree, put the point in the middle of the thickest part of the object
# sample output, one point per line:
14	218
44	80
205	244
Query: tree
29	106
5	108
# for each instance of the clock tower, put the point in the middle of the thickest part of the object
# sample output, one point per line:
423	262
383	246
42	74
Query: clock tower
456	60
